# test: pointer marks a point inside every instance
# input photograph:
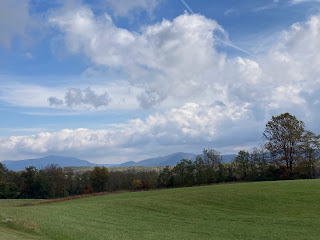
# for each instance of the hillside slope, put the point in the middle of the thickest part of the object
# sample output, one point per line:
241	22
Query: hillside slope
264	210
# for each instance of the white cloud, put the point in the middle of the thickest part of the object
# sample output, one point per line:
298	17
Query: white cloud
174	62
292	66
190	125
168	59
14	19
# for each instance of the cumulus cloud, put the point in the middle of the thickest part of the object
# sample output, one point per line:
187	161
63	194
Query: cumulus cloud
292	66
168	59
14	19
124	7
175	62
78	97
190	125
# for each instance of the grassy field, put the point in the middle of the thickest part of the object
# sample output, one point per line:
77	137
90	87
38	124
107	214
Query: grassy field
263	210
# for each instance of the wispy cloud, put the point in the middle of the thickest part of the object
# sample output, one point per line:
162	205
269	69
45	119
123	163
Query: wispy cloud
230	11
266	7
226	42
302	1
68	98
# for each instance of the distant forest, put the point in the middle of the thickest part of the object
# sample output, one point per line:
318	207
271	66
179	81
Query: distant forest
288	151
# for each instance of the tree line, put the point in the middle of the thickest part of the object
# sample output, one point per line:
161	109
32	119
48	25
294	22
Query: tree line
289	151
56	182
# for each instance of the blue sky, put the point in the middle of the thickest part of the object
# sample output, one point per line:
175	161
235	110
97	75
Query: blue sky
113	81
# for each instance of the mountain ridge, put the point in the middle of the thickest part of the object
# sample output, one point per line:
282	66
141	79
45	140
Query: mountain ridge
40	163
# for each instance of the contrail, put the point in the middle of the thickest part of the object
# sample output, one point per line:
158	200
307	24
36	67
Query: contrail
228	43
233	46
187	6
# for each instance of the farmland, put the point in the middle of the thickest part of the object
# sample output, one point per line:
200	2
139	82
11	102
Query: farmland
261	210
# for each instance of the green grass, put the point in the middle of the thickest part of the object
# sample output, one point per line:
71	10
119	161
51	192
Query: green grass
263	210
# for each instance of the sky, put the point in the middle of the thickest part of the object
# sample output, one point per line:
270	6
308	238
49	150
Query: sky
112	81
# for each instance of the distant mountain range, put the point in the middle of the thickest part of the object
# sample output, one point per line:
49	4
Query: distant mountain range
169	160
45	161
40	163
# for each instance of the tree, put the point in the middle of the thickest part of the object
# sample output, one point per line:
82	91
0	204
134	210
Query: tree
201	175
136	184
166	178
259	162
242	164
184	173
309	150
212	159
2	171
283	135
29	188
8	190
82	180
115	180
52	182
70	180
99	179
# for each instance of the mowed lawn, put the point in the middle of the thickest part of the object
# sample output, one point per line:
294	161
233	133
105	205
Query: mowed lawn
262	210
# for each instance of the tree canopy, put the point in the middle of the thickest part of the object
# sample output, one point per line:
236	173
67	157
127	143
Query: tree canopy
288	141
283	135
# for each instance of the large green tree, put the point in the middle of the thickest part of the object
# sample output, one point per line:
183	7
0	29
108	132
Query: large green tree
184	173
284	137
166	178
29	186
